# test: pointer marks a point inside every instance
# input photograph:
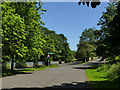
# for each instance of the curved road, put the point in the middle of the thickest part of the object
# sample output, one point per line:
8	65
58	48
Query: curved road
66	76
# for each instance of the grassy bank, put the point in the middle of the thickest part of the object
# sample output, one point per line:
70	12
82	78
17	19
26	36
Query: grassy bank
25	70
104	76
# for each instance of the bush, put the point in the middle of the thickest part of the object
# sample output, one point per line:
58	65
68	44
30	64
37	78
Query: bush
95	66
113	59
21	64
114	71
111	71
5	66
104	68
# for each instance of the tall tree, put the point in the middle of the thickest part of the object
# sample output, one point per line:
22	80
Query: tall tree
89	36
86	44
13	33
84	51
104	33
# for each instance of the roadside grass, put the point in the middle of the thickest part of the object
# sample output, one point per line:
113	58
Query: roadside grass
99	78
25	70
40	68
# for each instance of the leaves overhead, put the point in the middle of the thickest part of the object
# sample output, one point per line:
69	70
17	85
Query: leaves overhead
93	3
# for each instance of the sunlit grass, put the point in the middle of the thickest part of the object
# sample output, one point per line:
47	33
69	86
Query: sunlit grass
40	68
99	79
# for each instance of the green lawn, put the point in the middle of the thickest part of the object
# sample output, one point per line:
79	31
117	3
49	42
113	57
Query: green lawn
100	80
25	70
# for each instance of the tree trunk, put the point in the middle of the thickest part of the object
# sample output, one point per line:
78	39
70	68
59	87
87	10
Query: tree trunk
12	62
35	64
91	58
60	62
47	61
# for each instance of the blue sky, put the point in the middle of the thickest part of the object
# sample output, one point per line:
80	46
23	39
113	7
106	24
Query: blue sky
71	19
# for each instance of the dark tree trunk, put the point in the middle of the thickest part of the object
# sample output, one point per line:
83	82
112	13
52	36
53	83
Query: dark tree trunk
35	64
47	63
88	59
60	62
12	62
91	58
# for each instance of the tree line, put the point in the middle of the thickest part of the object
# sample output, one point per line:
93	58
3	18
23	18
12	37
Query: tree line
104	42
24	37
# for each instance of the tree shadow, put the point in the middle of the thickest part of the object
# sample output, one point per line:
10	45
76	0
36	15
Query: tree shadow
105	84
83	68
14	72
89	65
72	85
88	85
73	63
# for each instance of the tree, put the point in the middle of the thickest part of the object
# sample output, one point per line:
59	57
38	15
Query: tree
108	35
13	34
25	36
84	51
21	31
86	45
89	36
103	34
113	39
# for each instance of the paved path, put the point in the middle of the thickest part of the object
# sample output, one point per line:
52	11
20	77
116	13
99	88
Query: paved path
65	76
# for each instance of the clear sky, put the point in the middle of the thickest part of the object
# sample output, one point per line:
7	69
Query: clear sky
71	19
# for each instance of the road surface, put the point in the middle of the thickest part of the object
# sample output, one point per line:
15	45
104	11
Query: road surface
66	76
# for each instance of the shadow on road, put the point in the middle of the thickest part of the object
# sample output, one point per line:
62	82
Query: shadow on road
80	85
83	68
14	72
89	65
73	63
71	85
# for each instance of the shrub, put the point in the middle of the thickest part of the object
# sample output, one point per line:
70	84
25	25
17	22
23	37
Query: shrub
95	66
5	66
104	67
21	64
114	71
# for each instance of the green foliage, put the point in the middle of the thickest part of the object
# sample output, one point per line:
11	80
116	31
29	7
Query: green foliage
5	66
69	58
25	38
107	46
89	36
114	71
105	75
104	68
21	64
100	80
108	36
85	50
110	71
86	45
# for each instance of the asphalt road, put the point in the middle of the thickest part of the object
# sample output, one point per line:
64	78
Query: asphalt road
66	76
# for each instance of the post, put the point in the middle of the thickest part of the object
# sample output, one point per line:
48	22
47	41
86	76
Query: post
48	59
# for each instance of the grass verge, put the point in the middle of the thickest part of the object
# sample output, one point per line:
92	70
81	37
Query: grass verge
25	70
99	79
